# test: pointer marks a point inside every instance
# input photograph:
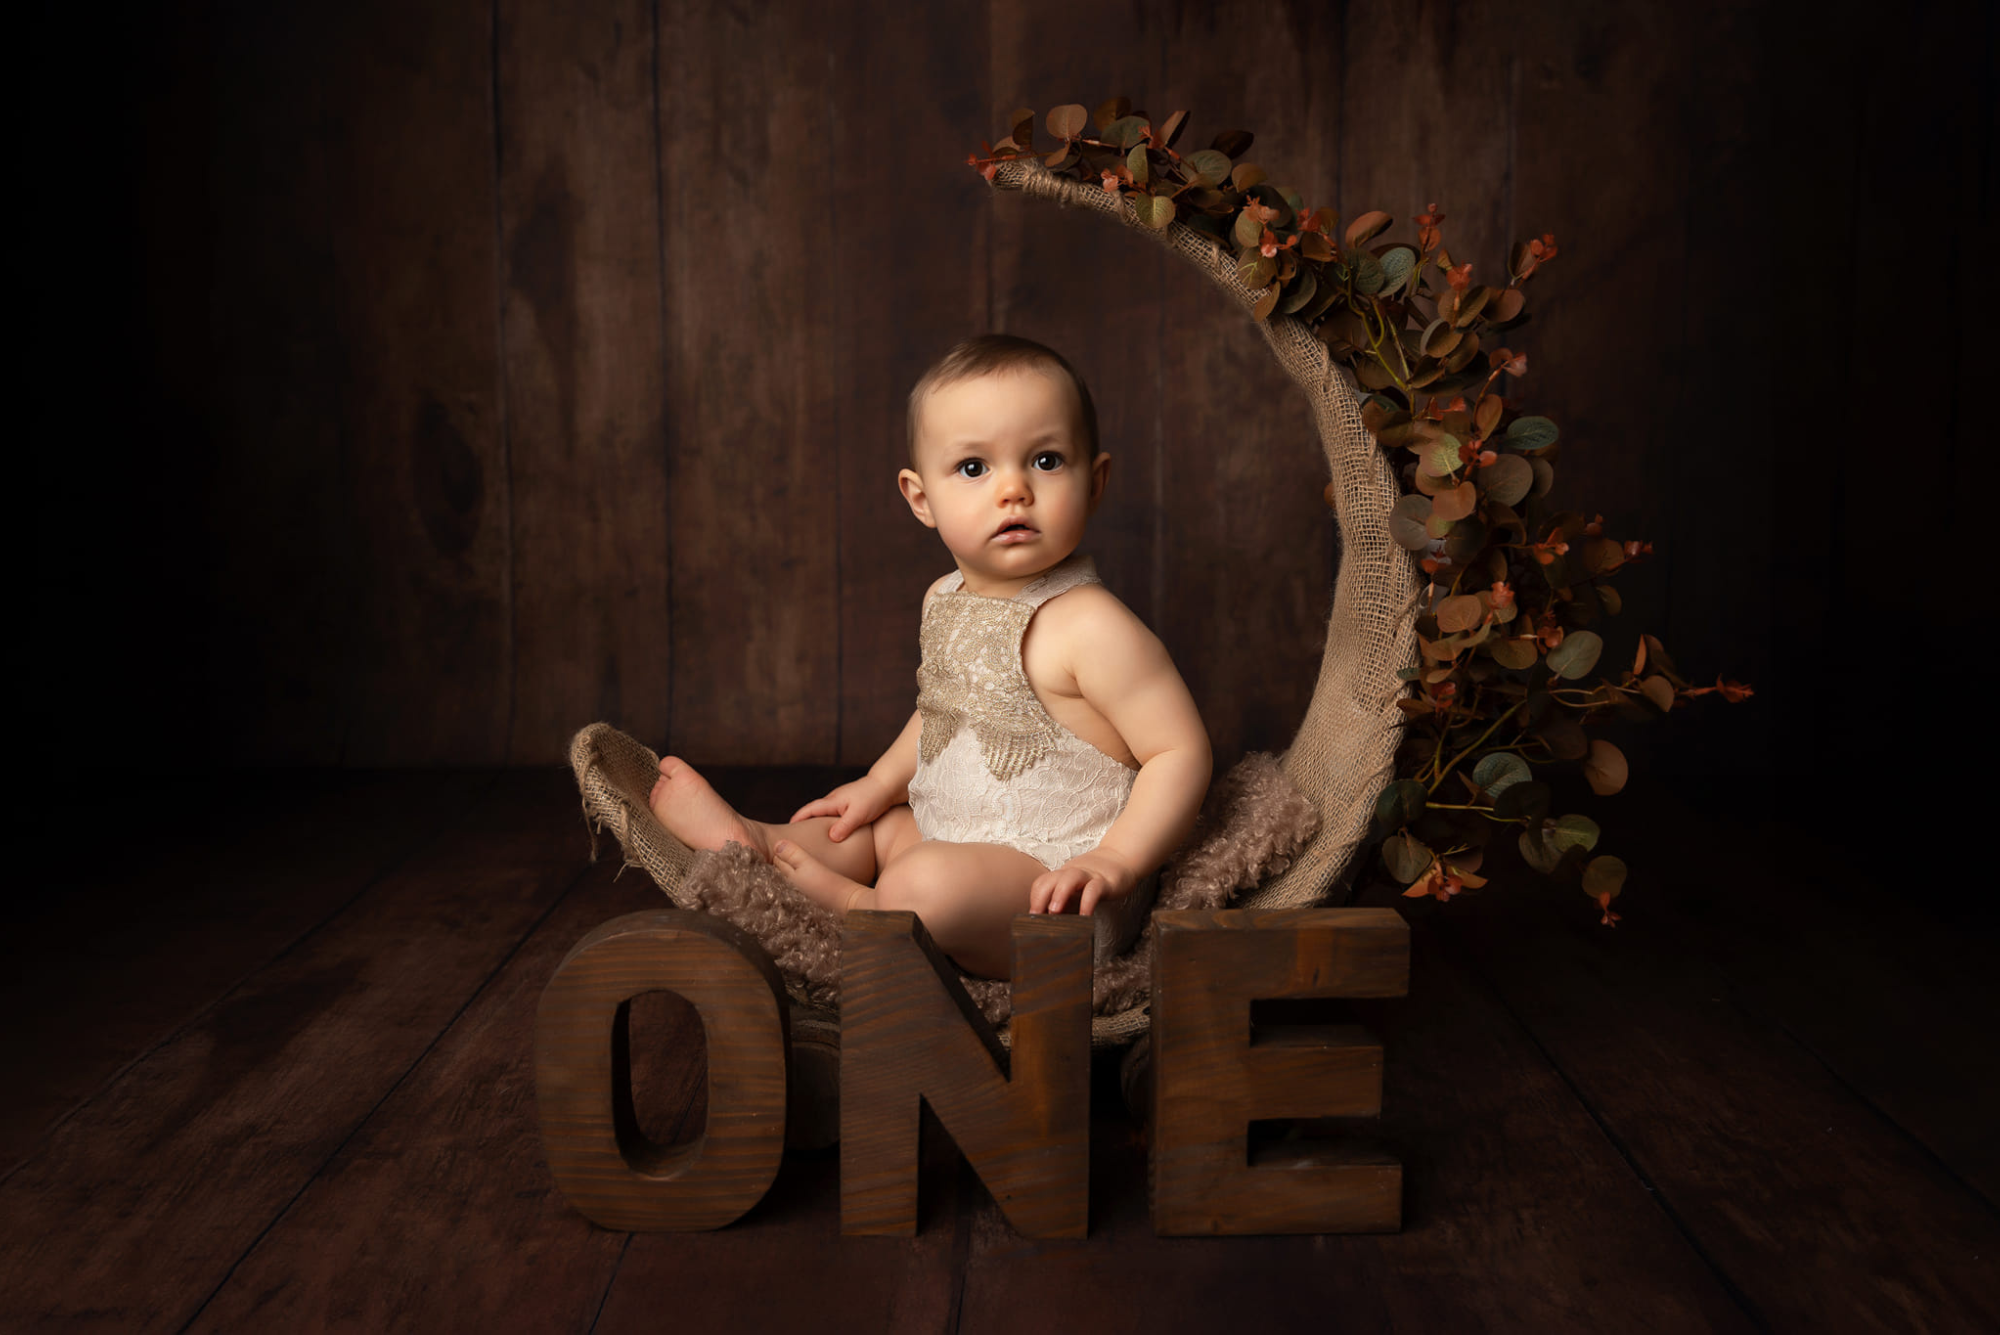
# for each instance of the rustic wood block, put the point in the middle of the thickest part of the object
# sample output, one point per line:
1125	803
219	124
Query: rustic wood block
909	1034
1212	1076
609	1171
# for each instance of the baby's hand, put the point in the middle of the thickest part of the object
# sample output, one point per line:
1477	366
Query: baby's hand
1081	884
856	804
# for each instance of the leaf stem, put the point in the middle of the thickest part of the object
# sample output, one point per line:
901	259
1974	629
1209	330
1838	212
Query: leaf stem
1477	744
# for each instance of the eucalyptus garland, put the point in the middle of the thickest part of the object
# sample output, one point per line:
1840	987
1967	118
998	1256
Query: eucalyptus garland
1515	587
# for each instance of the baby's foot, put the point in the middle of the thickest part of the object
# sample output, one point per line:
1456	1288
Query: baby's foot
818	882
695	814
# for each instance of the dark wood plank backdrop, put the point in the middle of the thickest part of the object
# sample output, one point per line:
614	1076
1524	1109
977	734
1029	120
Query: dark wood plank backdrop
524	365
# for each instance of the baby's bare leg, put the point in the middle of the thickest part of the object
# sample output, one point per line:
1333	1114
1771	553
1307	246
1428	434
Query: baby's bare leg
695	814
967	896
839	876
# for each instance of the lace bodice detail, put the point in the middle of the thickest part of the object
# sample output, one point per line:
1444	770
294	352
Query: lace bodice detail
992	765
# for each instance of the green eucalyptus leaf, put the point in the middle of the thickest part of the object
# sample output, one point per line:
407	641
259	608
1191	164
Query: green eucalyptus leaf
1368	276
1406	523
1247	231
1540	853
1304	289
1576	655
1567	832
1135	162
1154	210
1499	771
1397	266
1531	433
1408	798
1210	165
1440	457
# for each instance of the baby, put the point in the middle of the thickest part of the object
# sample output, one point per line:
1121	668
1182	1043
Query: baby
1055	757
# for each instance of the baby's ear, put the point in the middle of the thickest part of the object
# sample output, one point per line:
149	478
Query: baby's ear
1100	474
912	487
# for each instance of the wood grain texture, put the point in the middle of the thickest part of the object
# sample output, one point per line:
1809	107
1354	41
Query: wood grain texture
785	1266
1519	1214
1079	284
910	1035
750	387
1778	1138
132	1210
910	283
454	1147
579	214
1213	1074
1602	157
610	1171
128	957
424	450
469	490
1248	557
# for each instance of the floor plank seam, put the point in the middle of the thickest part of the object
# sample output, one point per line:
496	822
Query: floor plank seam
1743	999
609	1281
387	1094
390	866
1910	1137
1659	1198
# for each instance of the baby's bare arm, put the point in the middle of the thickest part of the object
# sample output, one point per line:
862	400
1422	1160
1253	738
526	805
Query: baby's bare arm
1123	671
886	784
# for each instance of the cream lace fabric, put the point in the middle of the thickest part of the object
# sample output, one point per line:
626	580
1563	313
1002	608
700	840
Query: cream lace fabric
992	766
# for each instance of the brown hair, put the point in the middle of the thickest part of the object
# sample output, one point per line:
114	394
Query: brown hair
990	354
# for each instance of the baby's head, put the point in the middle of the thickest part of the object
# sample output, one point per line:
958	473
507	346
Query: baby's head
1004	458
997	355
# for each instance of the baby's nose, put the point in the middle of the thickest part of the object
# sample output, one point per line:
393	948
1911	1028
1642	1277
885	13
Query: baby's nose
1014	482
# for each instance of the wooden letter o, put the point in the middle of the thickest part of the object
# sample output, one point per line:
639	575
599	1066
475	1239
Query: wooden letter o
609	1172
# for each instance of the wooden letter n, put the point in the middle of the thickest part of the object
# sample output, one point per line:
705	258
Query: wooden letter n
909	1033
1212	1076
609	1171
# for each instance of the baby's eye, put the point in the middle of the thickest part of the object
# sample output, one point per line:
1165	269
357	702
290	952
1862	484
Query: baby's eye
1048	461
971	468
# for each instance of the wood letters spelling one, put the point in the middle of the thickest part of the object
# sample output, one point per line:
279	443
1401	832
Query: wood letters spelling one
909	1034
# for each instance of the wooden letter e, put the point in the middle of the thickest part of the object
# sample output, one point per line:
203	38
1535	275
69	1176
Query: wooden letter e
1212	1076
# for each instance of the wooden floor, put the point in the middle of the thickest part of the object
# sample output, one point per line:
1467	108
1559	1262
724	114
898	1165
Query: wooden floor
273	1074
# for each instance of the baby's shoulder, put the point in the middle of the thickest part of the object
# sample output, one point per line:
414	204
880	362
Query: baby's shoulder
939	585
1092	612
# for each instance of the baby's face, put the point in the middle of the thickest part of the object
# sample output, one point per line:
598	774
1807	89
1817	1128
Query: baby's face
1001	475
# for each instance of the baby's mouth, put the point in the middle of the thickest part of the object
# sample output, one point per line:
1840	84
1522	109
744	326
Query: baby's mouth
1015	530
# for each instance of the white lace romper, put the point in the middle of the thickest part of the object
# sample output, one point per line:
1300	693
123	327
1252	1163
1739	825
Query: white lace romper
992	766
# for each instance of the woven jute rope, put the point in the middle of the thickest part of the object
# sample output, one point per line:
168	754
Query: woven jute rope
1345	749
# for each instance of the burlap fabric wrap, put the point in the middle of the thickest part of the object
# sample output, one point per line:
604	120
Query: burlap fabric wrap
1345	749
